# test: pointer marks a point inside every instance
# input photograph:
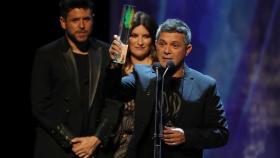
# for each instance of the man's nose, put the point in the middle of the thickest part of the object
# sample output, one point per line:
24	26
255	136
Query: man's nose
167	49
82	24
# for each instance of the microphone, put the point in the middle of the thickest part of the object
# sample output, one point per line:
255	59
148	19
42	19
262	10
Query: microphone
156	65
157	138
170	66
158	126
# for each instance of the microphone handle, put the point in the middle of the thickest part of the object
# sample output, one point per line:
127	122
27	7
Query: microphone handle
158	126
157	139
162	102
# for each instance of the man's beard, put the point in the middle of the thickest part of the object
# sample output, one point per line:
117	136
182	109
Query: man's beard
82	46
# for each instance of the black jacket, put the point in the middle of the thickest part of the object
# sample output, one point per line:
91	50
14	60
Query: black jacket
56	98
202	118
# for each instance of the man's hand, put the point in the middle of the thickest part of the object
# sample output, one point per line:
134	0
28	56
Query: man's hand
85	146
173	136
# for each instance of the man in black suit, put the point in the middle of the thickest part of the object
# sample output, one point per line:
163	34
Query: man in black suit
193	117
67	88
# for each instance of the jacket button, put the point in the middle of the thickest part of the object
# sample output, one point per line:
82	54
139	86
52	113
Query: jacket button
67	110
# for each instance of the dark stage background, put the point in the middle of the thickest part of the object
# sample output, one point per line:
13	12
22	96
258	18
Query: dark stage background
235	41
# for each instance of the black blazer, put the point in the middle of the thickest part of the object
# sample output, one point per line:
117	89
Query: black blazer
56	98
203	118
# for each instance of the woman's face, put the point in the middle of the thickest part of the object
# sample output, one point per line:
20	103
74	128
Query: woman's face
140	42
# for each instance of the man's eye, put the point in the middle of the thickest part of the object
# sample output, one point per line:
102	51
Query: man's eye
175	46
161	43
88	18
75	20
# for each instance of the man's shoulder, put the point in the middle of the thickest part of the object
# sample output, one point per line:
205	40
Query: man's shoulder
200	77
52	46
144	71
99	43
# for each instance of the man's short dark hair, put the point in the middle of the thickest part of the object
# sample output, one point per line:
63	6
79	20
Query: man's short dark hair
67	5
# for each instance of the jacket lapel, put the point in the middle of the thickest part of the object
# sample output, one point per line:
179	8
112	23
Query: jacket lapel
186	90
144	103
95	61
187	83
71	68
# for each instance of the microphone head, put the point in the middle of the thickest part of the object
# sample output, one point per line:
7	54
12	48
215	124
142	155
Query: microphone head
170	68
156	65
170	64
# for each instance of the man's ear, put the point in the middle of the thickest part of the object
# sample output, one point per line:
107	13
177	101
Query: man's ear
62	22
188	49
